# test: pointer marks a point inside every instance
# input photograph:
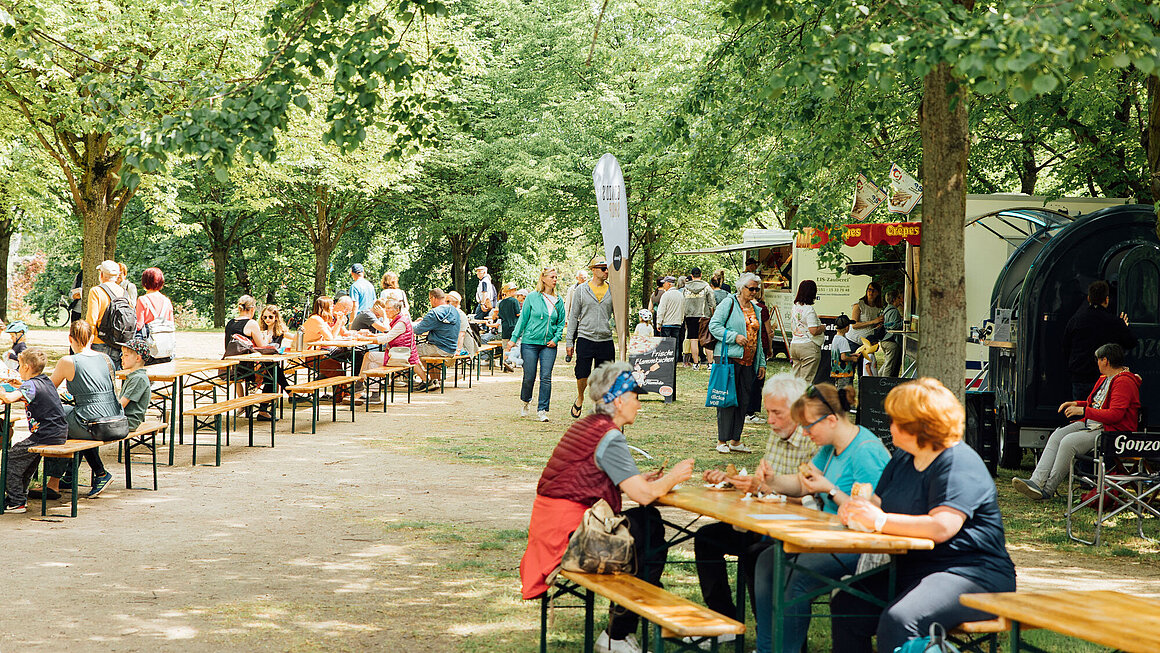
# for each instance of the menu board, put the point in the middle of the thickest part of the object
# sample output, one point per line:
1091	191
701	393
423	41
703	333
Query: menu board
872	391
654	364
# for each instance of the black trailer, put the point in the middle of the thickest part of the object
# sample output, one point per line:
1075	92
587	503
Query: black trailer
1043	283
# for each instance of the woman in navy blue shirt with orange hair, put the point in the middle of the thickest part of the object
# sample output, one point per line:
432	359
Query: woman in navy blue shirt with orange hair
934	487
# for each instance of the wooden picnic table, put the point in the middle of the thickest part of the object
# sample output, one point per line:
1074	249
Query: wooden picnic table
352	343
794	529
172	377
1113	619
288	360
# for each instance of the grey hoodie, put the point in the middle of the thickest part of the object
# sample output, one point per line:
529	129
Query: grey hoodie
588	318
699	299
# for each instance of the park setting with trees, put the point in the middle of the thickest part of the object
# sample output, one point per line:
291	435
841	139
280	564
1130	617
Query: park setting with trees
920	233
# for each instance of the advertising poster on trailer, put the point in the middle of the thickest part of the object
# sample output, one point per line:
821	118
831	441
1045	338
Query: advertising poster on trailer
654	364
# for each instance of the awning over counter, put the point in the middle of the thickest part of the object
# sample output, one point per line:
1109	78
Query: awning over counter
891	233
751	239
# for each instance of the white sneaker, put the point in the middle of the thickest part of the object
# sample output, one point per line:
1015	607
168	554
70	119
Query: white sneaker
739	448
626	645
524	410
722	447
542	415
706	643
753	419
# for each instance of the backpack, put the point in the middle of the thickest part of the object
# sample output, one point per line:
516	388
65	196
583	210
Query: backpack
119	322
160	335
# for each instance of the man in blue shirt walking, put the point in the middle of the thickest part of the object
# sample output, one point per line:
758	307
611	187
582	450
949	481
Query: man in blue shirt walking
361	291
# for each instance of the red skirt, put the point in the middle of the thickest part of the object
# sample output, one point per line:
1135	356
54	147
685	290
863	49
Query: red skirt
553	521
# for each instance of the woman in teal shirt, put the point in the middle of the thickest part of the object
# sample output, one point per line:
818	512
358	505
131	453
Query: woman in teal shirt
540	329
849	454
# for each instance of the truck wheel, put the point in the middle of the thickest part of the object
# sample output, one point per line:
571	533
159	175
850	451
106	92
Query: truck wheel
1010	454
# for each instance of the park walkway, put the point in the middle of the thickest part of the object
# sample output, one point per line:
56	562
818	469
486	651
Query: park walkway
308	547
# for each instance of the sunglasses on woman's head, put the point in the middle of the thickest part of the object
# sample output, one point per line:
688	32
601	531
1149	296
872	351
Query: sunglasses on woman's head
813	393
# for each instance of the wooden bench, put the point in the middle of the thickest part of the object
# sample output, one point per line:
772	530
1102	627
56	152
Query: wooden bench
210	415
146	432
673	618
441	363
145	435
312	388
493	348
980	636
385	376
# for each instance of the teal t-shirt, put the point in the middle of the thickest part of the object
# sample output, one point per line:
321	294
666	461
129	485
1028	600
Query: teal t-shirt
860	462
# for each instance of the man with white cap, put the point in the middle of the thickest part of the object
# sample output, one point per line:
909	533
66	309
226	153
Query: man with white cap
100	298
485	295
589	332
361	290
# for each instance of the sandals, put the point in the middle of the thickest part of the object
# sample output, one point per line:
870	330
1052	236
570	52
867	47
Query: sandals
576	410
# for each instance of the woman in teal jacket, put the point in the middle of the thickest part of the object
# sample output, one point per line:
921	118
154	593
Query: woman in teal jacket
540	329
741	317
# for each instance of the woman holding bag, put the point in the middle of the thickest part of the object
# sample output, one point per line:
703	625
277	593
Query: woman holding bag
88	375
736	325
593	462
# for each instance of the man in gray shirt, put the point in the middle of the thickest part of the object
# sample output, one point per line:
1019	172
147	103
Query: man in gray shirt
671	315
589	334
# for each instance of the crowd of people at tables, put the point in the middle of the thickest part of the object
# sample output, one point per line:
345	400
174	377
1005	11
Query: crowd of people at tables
933	486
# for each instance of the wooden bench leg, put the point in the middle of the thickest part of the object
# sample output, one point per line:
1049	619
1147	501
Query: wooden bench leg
128	463
314	414
589	635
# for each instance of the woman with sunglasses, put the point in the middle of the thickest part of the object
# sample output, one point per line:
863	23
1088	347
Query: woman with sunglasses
274	330
740	316
935	487
848	454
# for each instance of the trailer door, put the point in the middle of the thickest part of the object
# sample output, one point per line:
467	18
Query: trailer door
1138	295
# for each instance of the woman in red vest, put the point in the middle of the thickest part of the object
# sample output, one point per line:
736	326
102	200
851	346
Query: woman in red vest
593	462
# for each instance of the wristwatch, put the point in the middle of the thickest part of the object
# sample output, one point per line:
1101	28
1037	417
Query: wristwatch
834	492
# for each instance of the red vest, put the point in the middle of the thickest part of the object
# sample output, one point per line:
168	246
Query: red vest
572	473
405	339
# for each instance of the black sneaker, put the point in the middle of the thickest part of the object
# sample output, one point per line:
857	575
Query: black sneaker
16	510
34	493
100	483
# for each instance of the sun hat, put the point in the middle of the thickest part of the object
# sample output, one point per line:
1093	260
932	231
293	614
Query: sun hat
109	267
598	261
357	268
522	291
669	280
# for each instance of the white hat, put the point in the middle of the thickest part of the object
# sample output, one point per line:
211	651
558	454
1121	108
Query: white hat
110	268
522	291
481	267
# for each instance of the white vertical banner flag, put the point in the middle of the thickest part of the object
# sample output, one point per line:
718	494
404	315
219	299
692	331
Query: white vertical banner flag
612	204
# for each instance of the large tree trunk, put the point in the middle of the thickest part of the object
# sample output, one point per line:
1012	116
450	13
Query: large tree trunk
219	286
322	252
459	253
1151	140
942	288
6	229
94	177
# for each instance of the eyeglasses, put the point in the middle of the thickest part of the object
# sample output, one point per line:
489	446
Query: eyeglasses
813	393
814	423
267	317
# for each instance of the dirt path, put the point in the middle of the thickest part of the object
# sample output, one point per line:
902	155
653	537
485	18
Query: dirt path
306	546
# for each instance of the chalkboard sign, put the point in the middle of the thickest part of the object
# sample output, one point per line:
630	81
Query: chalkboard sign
872	391
654	364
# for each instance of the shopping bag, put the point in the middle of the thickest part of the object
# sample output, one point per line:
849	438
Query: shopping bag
722	387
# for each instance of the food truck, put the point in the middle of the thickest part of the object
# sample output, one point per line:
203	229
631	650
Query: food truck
1041	286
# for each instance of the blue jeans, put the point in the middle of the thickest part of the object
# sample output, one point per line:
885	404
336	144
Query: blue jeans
547	359
796	624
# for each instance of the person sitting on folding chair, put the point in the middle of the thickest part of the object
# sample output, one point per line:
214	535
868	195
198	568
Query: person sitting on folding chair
1112	405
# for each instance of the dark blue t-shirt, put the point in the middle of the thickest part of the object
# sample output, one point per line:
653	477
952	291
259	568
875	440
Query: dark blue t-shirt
957	479
17	349
46	421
